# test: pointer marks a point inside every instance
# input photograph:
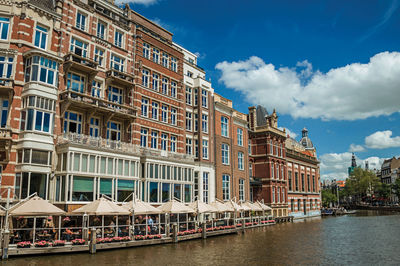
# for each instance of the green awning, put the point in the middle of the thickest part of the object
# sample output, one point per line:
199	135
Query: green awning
125	184
83	184
105	186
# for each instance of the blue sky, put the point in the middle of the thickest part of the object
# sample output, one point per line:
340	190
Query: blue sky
330	66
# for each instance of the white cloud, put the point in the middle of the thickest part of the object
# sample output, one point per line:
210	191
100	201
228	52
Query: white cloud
382	140
335	165
141	2
289	132
355	91
356	148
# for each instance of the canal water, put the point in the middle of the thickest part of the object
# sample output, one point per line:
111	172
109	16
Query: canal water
367	238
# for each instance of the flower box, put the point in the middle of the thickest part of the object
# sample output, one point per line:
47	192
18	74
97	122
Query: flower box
42	244
24	244
139	237
59	243
78	242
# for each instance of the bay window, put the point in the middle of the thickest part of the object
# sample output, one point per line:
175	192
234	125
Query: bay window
42	69
78	47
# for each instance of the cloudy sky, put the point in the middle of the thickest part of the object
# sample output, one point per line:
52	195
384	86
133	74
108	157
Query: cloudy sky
331	66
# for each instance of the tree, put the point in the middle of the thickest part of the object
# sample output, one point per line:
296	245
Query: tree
362	183
328	197
396	188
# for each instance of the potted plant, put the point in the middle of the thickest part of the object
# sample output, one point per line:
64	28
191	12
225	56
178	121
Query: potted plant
139	237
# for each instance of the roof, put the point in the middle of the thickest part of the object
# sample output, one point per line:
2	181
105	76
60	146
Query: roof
35	206
102	206
46	5
261	114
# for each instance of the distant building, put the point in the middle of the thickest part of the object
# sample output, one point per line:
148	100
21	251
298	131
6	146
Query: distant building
353	164
302	177
268	160
390	171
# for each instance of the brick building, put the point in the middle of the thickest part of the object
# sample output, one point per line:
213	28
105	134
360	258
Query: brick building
303	177
231	151
267	160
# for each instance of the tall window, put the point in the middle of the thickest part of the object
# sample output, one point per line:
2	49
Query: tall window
3	112
41	69
195	97
196	148
118	38
250	170
145	78
164	113
154	110
296	180
225	153
99	56
290	180
196	122
204	123
78	47
188	95
165	60
173	89
173	116
72	122
173	143
164	87
189	121
226	187
113	131
96	89
241	190
75	82
308	183
273	194
272	170
302	182
240	161
188	146
204	98
4	26
145	107
117	63
224	126
282	172
101	30
81	21
146	50
41	37
240	137
155	81
249	144
156	55
154	140
164	142
143	137
205	149
278	192
313	183
94	127
205	187
6	64
292	205
283	195
174	65
115	95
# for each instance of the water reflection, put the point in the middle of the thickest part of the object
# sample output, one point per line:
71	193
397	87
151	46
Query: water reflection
362	239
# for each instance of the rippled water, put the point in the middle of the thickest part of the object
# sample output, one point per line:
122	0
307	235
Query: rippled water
363	239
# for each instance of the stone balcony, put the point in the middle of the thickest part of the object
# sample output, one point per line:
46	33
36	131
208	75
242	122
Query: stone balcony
89	142
80	64
96	105
6	86
5	144
120	78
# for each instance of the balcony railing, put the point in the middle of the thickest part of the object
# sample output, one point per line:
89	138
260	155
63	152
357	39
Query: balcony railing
121	78
84	61
5	134
6	85
101	104
168	154
97	142
100	143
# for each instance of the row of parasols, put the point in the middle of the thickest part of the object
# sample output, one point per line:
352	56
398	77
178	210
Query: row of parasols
36	206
